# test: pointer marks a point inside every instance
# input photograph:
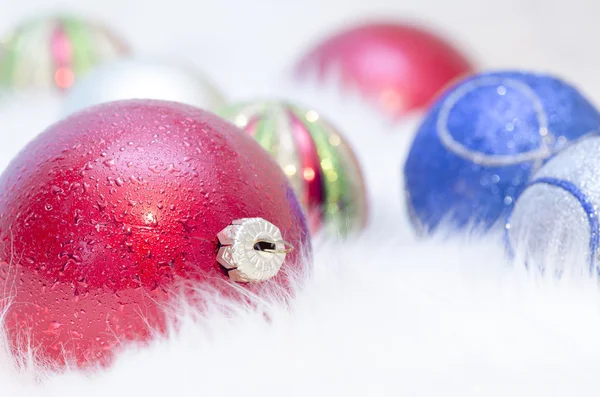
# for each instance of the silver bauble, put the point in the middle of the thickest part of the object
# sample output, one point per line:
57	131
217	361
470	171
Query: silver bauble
143	79
554	224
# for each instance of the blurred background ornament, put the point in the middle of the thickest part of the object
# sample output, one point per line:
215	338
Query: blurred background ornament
132	78
116	208
399	67
479	145
54	52
320	164
554	222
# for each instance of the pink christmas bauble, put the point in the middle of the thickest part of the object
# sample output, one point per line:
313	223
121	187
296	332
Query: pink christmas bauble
109	212
399	67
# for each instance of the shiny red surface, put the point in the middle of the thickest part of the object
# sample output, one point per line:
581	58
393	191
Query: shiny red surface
400	67
108	211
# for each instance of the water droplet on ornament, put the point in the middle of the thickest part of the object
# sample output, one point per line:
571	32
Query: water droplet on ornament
172	168
54	325
102	204
78	217
150	219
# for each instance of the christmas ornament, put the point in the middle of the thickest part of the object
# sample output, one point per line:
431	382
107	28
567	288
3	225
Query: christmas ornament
482	141
320	164
109	211
143	79
54	52
399	67
554	222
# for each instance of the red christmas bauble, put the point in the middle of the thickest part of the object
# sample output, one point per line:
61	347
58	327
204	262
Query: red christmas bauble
109	211
400	67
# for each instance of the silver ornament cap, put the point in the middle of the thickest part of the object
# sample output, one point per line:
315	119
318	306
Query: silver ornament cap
252	250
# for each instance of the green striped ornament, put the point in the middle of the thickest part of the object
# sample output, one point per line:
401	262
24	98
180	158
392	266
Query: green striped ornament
53	52
320	164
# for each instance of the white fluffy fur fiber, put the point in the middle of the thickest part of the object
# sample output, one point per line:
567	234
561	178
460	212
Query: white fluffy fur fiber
386	314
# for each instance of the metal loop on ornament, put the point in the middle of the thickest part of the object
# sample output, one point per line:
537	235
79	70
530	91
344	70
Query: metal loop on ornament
289	247
476	157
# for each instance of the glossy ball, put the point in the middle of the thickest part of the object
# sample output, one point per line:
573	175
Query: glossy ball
131	78
320	164
54	52
483	140
398	67
554	224
107	212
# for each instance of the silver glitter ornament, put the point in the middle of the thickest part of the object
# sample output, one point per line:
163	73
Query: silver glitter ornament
554	224
142	79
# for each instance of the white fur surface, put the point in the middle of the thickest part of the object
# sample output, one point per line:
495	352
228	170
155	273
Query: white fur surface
386	314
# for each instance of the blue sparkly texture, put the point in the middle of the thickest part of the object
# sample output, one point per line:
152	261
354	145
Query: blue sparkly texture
483	140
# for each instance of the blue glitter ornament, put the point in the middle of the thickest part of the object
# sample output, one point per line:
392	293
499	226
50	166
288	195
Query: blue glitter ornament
481	142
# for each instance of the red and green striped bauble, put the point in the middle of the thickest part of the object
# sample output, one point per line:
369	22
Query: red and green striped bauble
320	164
53	52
